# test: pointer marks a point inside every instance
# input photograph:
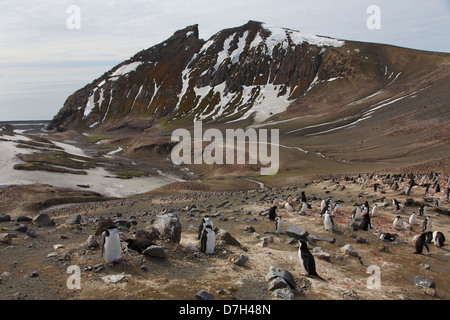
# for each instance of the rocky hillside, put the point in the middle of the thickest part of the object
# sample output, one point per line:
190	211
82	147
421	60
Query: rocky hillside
255	70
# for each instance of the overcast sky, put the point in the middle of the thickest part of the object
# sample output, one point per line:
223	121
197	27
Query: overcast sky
43	61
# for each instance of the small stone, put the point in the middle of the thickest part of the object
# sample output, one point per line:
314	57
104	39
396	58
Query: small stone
424	282
348	249
6	238
277	283
23	219
58	246
99	267
92	242
241	261
204	295
284	294
34	274
21	228
115	278
31	233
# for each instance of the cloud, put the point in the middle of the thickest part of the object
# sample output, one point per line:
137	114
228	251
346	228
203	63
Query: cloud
34	34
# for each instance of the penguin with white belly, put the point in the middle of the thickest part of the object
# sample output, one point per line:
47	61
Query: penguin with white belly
208	240
111	248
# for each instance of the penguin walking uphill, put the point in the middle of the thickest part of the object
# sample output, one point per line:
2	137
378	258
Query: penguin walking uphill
208	240
420	242
111	246
307	261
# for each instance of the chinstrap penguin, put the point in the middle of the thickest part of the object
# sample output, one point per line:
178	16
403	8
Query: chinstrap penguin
111	246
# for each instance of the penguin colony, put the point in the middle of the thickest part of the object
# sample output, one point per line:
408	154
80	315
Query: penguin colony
362	215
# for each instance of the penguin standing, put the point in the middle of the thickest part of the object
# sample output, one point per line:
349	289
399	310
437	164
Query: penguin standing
303	207
288	205
303	198
337	209
426	226
208	240
328	222
111	247
365	224
420	242
396	204
398	223
356	212
437	203
273	213
307	261
205	222
279	224
423	210
375	211
413	219
323	205
365	208
438	239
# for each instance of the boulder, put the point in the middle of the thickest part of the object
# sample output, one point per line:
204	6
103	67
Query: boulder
155	251
5	218
296	232
43	220
168	226
74	219
102	225
228	238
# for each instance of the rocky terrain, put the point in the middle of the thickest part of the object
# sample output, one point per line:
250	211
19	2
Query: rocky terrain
37	252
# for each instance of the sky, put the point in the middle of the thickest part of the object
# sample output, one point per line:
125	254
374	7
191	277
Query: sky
51	48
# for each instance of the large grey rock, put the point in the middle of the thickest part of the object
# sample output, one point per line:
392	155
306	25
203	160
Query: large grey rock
155	251
321	238
74	219
228	238
275	272
169	227
296	232
5	218
43	220
102	225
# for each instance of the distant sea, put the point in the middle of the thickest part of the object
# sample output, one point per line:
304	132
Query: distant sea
30	127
